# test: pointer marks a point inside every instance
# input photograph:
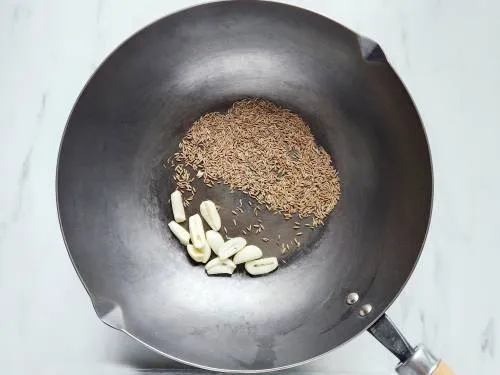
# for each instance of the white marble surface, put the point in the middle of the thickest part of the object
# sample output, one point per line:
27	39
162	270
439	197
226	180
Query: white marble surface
448	55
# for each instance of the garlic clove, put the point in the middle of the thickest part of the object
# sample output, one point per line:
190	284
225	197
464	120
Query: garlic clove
207	251
177	206
196	230
231	247
218	261
247	254
209	212
218	266
215	240
261	266
200	255
221	269
179	232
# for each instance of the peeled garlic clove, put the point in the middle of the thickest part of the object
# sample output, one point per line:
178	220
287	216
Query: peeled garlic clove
207	251
231	247
179	232
215	240
261	266
222	269
197	231
218	261
218	266
201	255
177	206
209	212
248	253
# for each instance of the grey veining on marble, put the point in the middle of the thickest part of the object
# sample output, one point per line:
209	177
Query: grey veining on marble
447	55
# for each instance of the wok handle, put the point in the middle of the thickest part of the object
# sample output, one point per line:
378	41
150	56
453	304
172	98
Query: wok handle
423	362
442	369
413	361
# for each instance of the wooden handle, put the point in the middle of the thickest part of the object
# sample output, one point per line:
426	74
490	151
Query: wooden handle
442	369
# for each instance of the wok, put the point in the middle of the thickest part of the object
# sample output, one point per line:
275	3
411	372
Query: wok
113	189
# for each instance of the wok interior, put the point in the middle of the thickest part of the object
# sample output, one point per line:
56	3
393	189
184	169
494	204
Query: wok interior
113	188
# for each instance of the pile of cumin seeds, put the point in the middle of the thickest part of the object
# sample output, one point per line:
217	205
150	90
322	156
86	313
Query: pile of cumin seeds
267	152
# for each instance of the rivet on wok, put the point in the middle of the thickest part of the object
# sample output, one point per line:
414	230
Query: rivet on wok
352	298
365	310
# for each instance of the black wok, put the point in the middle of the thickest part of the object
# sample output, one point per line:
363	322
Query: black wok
113	187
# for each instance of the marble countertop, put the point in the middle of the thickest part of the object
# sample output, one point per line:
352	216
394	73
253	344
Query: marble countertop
447	54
